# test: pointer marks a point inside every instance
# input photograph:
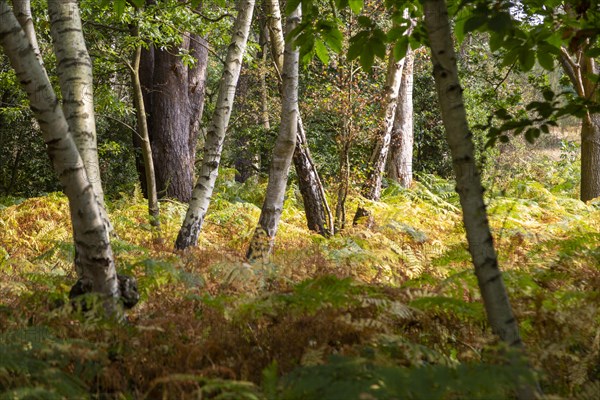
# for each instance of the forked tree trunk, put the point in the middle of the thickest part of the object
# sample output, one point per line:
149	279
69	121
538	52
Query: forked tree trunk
401	147
468	182
94	258
215	136
261	244
76	83
372	188
143	135
318	214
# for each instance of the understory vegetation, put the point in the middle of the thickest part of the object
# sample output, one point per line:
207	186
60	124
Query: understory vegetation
386	313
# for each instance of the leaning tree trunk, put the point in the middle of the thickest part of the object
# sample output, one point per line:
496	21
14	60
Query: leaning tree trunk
94	258
372	188
581	70
401	146
468	181
22	10
215	136
318	214
75	76
261	244
143	137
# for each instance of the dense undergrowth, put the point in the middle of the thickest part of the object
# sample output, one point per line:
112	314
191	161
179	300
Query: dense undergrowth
388	313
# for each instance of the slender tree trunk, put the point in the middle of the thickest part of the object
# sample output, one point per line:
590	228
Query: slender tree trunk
22	10
75	76
190	229
318	214
468	181
143	136
342	192
261	244
401	146
94	258
372	188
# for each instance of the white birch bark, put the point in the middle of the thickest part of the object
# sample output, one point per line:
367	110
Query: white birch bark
261	244
22	10
215	136
94	259
468	182
318	213
276	33
75	77
401	146
372	188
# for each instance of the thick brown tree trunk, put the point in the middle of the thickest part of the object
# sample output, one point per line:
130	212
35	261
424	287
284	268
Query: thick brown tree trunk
581	70
174	99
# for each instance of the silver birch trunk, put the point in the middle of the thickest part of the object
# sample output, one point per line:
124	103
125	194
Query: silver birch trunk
22	10
94	258
372	188
261	244
75	77
215	136
401	146
468	182
319	217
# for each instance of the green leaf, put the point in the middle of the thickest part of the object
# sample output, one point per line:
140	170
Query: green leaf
367	57
334	38
474	22
593	53
400	48
500	23
356	6
526	59
545	59
119	7
548	95
322	52
364	21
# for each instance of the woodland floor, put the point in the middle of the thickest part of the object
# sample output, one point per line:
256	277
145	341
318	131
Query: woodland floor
339	318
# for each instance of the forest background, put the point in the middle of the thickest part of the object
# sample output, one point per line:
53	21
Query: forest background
387	307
